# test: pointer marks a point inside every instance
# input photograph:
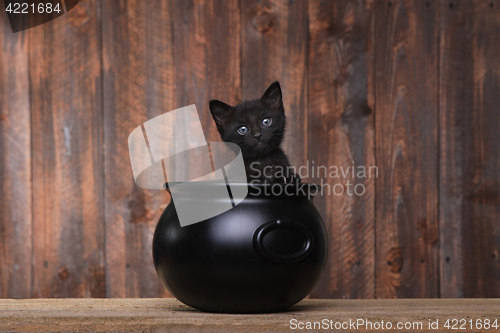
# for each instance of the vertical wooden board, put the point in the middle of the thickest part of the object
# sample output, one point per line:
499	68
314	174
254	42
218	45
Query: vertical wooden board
406	62
15	164
456	110
207	56
138	85
341	138
481	179
274	47
68	227
470	155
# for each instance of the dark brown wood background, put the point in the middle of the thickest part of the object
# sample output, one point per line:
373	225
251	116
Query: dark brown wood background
412	87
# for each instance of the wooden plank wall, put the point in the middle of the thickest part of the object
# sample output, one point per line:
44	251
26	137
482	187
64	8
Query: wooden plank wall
138	84
66	110
406	150
409	86
469	149
341	133
15	165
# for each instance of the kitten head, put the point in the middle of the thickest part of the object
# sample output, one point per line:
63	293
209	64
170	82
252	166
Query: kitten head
256	126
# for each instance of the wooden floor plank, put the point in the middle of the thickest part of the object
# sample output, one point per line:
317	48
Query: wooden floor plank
169	315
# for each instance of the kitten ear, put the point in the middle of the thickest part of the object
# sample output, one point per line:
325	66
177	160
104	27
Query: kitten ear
220	111
272	97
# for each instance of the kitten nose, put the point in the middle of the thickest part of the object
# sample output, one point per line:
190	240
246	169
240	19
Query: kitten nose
257	136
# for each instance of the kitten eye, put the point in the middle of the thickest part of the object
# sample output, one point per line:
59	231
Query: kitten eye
267	122
243	130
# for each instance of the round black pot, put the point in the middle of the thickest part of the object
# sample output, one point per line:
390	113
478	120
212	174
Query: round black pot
263	255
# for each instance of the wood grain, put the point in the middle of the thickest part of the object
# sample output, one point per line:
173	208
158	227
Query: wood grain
66	95
15	164
470	155
207	51
341	136
406	62
169	315
138	85
408	86
274	48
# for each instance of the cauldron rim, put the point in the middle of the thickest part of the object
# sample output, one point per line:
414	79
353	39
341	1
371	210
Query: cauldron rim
259	189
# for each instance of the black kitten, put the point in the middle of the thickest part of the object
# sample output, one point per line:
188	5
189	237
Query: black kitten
257	127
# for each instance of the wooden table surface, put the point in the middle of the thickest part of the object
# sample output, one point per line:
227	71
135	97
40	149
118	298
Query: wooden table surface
169	315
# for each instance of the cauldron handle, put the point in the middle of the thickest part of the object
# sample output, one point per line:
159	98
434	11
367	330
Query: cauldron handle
258	241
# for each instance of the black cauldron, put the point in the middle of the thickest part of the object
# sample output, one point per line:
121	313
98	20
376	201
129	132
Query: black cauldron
264	255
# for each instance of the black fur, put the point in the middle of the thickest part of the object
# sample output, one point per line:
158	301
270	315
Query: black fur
264	151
